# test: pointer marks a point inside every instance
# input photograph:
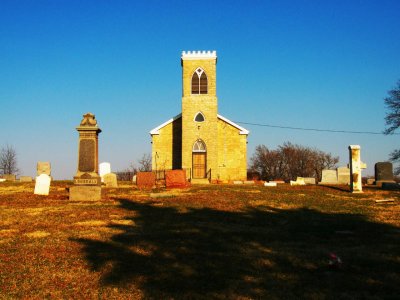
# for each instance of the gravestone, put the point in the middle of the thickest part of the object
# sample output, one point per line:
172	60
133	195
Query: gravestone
42	185
383	173
9	177
2	180
355	168
104	168
390	186
145	180
343	174
110	180
309	180
329	177
175	179
87	180
271	183
25	179
134	179
299	181
43	167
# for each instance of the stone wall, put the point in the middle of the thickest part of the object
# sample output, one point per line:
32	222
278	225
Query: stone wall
232	156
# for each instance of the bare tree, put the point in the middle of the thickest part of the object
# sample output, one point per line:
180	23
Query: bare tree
145	163
8	160
392	119
289	161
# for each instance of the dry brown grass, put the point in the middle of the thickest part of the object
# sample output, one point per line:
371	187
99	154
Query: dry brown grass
209	242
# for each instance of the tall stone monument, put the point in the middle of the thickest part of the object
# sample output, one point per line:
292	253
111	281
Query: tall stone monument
355	169
87	182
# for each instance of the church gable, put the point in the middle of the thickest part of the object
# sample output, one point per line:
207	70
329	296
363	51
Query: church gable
240	128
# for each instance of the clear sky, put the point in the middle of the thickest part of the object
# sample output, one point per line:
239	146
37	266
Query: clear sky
312	64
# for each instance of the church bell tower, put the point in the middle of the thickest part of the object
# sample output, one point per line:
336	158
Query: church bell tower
199	113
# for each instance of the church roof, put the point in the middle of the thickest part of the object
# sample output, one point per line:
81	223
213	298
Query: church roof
157	129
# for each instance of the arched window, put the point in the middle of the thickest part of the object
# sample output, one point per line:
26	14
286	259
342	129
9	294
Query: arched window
199	146
199	82
199	117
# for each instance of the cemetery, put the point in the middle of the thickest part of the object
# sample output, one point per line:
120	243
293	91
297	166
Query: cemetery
197	227
215	240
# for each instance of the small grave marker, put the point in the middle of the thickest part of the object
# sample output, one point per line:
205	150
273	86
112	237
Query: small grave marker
110	180
42	185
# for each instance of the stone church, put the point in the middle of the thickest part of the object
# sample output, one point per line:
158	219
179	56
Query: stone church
207	145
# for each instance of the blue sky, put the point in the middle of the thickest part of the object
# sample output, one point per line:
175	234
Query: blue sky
313	64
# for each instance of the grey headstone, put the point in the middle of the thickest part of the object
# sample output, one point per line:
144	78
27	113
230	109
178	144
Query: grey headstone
25	179
309	180
343	175
329	177
9	177
383	173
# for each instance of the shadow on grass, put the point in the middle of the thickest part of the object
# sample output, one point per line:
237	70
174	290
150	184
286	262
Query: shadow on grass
259	253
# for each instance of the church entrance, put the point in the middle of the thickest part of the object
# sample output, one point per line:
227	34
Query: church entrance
199	159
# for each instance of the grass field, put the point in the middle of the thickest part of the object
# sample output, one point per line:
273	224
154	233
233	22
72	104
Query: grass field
207	242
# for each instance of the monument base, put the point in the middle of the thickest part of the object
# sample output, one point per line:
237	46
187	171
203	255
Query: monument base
379	183
85	193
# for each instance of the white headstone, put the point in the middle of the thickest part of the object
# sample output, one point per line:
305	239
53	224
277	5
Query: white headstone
42	185
104	168
270	183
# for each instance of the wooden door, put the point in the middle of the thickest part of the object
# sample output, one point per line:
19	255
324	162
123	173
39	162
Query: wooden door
199	164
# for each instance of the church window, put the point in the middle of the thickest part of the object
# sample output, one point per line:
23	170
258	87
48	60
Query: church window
199	82
199	146
199	117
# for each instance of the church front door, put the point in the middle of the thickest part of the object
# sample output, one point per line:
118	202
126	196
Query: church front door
199	164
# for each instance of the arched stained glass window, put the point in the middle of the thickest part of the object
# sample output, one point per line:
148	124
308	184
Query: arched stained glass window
199	82
199	117
199	146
